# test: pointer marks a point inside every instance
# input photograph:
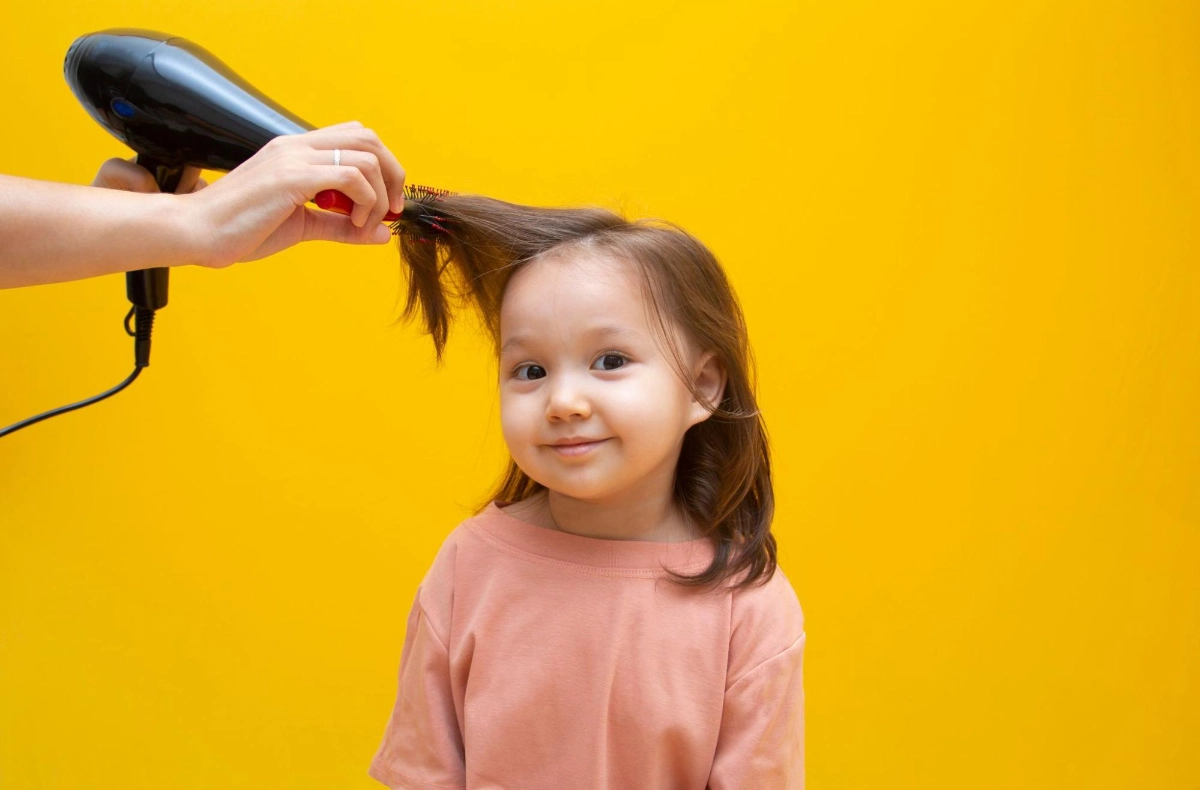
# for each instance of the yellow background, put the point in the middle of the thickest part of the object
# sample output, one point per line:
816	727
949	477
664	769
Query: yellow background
965	238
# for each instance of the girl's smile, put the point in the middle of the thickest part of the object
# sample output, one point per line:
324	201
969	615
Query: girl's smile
576	448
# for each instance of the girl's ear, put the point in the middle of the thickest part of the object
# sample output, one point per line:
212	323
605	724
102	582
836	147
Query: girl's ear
709	380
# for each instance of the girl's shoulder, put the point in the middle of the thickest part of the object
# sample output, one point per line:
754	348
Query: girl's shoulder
464	537
435	594
773	602
766	620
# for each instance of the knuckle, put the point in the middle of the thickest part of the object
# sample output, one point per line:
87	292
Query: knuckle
355	177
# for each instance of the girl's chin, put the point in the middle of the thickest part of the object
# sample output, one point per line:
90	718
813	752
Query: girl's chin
583	494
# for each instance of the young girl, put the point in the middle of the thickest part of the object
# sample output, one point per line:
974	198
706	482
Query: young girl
613	616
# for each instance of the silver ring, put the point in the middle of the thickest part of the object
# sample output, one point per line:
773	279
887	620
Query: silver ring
337	156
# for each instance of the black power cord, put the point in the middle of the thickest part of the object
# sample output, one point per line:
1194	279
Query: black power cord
145	325
147	291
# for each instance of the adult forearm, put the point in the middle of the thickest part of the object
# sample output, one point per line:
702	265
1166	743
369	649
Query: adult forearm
57	232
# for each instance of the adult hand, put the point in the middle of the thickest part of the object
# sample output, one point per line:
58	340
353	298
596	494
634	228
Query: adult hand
259	208
256	210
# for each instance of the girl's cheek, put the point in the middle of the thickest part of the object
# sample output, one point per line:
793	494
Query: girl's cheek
639	394
517	412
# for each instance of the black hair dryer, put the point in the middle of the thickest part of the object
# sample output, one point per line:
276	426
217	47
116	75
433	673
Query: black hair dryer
175	104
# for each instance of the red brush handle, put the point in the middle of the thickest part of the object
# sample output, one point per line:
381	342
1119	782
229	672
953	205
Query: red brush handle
332	200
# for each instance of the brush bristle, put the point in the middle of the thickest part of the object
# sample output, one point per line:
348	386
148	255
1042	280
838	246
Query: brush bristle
420	212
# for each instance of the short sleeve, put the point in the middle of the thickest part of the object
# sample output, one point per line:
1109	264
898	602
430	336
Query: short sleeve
760	743
761	740
422	747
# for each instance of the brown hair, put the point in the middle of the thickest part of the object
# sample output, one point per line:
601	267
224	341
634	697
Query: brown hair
723	477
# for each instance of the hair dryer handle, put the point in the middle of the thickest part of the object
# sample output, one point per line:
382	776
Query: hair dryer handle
147	288
338	202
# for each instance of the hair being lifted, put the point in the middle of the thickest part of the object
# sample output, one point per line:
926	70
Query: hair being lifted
460	251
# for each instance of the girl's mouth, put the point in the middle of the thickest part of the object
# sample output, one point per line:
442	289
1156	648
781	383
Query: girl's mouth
572	450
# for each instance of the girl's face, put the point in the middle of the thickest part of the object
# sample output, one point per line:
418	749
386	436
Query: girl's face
579	364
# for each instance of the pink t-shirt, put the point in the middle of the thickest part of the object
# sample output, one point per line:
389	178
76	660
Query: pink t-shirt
541	660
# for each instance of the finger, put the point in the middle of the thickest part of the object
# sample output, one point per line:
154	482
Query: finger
355	137
344	125
325	132
327	226
393	176
316	138
393	173
124	175
366	162
187	182
351	182
340	135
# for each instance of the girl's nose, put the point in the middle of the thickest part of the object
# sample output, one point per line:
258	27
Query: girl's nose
567	400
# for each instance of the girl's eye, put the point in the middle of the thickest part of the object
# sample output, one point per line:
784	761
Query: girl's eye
532	372
611	361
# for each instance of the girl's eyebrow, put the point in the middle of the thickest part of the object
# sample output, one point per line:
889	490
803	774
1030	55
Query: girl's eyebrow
597	332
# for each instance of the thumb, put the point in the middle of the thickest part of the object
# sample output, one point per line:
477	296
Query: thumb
329	226
190	181
124	175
